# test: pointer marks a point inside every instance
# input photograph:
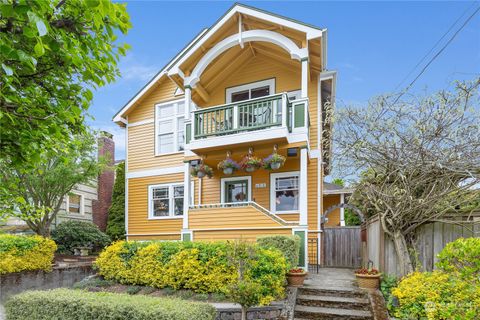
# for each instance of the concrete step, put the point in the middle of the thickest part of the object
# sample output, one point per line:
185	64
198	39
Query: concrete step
308	312
334	302
347	292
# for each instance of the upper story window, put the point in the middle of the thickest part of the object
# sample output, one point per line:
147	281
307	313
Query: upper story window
169	127
75	204
251	91
165	201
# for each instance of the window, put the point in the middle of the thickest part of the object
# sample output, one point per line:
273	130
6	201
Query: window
284	192
75	204
165	201
236	189
251	91
170	128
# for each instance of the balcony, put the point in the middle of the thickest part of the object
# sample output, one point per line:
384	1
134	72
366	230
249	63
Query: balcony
273	117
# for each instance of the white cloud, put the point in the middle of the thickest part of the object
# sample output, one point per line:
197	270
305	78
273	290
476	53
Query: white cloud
132	69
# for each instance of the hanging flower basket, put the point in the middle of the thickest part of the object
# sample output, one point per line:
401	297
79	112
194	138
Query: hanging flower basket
273	161
251	163
201	171
228	166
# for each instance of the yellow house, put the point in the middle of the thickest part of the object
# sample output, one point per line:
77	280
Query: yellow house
253	84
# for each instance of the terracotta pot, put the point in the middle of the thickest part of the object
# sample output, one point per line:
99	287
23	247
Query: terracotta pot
275	165
296	279
368	281
228	171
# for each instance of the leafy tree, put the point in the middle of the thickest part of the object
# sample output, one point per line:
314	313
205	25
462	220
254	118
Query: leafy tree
116	213
36	195
53	52
420	158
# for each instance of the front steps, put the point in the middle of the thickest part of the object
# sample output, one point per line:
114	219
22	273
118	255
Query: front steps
319	302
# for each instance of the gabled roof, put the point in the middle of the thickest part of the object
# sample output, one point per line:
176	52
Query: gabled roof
172	67
332	188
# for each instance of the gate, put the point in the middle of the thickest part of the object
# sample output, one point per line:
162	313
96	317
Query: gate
313	258
342	247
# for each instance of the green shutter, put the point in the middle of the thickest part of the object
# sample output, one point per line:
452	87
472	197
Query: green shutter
188	133
299	113
301	257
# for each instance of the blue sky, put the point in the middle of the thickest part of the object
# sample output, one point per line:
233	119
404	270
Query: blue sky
372	45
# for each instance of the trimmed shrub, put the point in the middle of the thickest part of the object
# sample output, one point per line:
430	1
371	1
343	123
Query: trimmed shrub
461	257
116	213
68	304
22	253
288	245
198	266
436	295
72	234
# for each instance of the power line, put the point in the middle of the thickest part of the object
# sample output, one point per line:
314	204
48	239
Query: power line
434	46
437	54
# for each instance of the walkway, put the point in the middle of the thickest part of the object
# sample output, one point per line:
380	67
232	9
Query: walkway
332	294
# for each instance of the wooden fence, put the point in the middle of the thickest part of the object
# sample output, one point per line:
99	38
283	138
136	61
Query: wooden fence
430	239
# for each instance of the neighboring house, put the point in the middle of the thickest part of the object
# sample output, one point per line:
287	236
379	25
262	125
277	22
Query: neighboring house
334	197
86	202
254	81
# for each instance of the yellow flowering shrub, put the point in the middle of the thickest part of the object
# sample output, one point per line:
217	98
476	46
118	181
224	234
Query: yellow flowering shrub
436	295
23	253
198	266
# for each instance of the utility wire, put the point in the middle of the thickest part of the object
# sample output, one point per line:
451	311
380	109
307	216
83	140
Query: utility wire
437	54
434	46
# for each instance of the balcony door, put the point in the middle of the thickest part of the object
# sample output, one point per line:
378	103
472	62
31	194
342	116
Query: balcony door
237	189
250	91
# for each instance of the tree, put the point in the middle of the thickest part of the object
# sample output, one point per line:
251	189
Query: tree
420	158
53	53
36	195
116	213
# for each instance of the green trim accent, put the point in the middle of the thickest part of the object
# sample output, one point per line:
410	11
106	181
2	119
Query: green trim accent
301	256
186	237
188	87
304	59
188	133
299	116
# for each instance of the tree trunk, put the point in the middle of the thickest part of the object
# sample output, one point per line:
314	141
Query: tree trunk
244	313
403	256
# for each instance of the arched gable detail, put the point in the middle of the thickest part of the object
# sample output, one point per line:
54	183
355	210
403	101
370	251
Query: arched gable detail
245	36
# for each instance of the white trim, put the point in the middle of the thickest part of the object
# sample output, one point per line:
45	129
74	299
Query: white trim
222	187
303	188
339	191
314	154
319	170
81	208
171	200
249	86
273	176
253	228
154	172
118	116
304	80
126	182
141	123
174	118
247	36
154	234
187	193
342	210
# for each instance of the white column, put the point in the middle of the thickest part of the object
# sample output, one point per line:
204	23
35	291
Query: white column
284	110
303	188
186	193
188	102
304	77
342	211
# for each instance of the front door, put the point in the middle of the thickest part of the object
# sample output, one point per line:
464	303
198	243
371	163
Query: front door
236	191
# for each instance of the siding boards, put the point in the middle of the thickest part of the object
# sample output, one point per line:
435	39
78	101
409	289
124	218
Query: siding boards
247	235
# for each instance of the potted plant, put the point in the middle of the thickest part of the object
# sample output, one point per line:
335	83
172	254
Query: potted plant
296	277
273	161
201	171
368	278
251	163
228	166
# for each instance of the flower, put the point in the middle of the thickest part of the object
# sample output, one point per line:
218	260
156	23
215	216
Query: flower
366	271
228	163
250	161
273	158
207	170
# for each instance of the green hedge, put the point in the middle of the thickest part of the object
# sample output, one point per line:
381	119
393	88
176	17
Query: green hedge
198	266
72	234
68	304
288	245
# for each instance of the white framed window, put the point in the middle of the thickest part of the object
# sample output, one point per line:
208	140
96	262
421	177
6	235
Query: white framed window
250	91
169	127
165	201
75	204
285	192
236	189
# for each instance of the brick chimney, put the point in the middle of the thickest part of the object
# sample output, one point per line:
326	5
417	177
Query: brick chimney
106	148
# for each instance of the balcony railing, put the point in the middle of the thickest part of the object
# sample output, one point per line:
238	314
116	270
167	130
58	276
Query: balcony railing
254	114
